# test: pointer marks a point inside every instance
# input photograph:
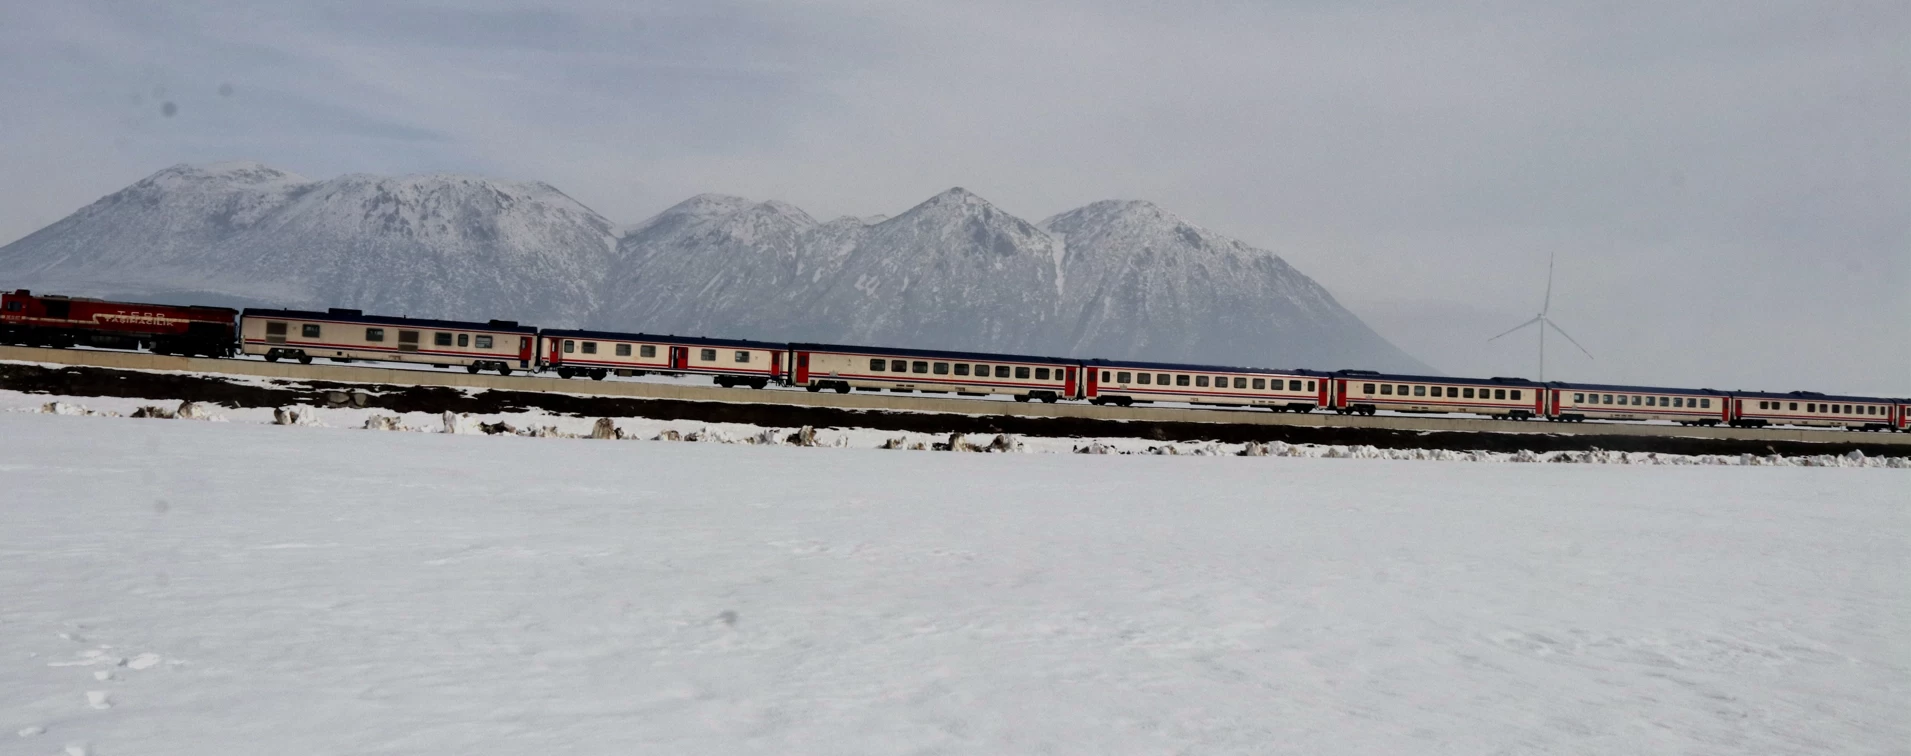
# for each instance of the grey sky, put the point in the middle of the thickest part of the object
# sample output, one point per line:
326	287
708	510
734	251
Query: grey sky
1727	184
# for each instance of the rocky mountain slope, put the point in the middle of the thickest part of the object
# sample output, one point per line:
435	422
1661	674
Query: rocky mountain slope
1117	279
243	233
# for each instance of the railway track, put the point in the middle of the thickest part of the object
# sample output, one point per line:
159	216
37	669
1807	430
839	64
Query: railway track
1138	420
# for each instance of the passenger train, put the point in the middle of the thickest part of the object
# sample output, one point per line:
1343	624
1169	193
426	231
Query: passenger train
344	335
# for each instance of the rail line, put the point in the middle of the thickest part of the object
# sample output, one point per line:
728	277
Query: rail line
893	402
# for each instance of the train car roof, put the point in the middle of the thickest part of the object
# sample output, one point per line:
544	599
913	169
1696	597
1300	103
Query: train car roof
1812	396
1355	375
1200	368
851	349
697	340
1635	389
65	298
340	315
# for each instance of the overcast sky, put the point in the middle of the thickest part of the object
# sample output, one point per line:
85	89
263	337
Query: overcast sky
1727	184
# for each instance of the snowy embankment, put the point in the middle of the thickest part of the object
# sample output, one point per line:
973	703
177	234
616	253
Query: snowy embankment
541	424
176	587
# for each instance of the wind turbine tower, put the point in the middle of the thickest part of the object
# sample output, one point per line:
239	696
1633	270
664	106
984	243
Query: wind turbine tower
1545	321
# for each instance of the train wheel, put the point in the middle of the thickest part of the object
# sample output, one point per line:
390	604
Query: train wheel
842	388
598	375
305	359
724	381
814	388
1021	397
760	383
471	368
504	369
1050	398
271	356
564	372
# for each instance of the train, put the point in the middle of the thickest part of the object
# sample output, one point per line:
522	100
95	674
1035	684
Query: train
505	347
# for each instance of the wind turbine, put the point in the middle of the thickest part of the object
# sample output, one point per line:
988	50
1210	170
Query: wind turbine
1544	321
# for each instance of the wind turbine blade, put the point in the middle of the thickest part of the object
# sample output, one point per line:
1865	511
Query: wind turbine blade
1562	332
1548	306
1536	319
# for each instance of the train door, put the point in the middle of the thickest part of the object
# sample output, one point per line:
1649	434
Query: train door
1540	405
679	357
1725	412
525	352
1320	398
1340	392
1092	386
802	368
776	364
1068	382
1737	411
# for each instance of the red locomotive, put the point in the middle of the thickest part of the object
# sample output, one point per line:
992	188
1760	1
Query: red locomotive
72	321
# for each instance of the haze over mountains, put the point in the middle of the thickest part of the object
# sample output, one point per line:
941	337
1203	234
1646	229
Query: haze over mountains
1117	279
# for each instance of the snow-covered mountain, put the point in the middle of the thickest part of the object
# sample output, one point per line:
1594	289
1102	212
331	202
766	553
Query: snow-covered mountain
244	233
1113	279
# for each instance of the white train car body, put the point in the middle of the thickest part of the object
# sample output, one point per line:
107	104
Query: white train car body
1580	401
1365	392
345	335
1124	383
1810	409
842	368
596	354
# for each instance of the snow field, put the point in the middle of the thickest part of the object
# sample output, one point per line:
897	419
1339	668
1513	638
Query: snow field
325	590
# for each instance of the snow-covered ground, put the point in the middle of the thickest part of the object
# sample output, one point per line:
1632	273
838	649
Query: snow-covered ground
176	587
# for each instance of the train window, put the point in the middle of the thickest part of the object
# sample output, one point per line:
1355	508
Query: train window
1041	374
1499	393
275	333
1122	377
1161	378
1578	398
1678	401
590	347
1240	383
898	366
1310	385
1607	399
742	355
407	341
942	368
1179	380
623	350
14	306
1705	403
1293	385
1848	409
1022	372
1261	383
464	339
1002	371
1201	381
1419	391
1367	388
982	370
309	330
647	350
1468	393
441	339
374	334
707	355
1144	378
1635	401
484	342
878	365
569	346
1809	407
962	368
1401	389
919	366
1386	388
1764	405
1649	401
1453	392
1794	406
1516	395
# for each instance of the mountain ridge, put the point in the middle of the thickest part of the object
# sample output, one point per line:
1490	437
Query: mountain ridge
1122	279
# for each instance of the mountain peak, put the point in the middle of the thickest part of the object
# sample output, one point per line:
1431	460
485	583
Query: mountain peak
241	172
